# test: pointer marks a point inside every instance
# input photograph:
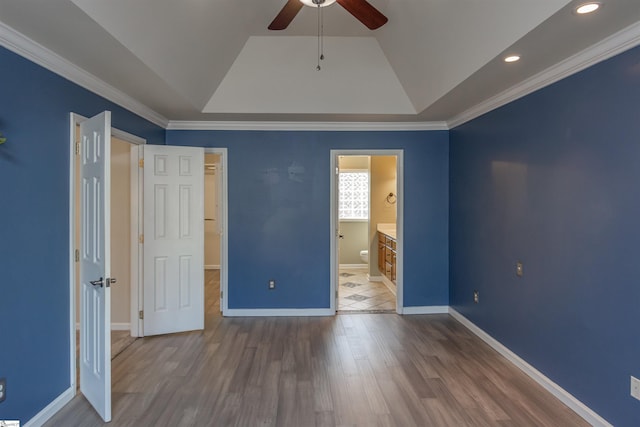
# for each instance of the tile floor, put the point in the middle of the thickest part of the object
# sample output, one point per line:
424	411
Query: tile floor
356	293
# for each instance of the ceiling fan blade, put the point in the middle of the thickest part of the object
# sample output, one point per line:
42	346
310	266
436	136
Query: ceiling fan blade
286	15
365	13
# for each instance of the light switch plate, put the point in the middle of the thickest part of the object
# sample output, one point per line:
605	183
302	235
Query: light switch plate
635	387
519	269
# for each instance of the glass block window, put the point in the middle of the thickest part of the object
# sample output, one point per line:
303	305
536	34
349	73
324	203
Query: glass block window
353	189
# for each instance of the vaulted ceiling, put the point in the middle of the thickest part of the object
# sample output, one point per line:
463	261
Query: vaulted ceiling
216	60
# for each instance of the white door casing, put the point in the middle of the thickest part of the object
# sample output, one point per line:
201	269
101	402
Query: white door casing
336	215
333	196
219	220
173	239
95	299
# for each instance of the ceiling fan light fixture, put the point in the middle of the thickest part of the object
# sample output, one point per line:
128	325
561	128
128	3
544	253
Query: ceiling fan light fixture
585	8
323	3
512	58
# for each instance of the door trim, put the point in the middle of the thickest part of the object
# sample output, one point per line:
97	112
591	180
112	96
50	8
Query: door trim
333	223
224	234
74	121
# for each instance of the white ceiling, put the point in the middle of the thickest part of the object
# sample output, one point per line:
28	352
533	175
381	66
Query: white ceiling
216	60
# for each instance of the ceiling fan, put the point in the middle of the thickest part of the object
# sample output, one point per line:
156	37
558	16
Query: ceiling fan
362	10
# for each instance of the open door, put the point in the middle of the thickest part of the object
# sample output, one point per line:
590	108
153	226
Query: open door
173	239
95	300
219	218
338	232
335	232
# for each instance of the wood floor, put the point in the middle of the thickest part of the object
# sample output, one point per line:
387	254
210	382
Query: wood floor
347	370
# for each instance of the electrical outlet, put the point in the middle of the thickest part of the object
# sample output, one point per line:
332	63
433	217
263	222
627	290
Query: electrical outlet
519	269
476	296
272	284
635	387
3	389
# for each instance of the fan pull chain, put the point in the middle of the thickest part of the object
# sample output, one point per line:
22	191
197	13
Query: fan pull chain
321	34
319	43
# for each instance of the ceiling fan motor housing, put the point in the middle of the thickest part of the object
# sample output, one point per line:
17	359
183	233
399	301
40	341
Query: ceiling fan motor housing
362	10
315	3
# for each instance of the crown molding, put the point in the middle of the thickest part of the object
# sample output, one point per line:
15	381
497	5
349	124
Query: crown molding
35	52
306	126
613	45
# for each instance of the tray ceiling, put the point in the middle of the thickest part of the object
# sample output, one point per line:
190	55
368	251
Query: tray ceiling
216	60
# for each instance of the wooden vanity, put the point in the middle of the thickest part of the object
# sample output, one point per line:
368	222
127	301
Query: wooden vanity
387	255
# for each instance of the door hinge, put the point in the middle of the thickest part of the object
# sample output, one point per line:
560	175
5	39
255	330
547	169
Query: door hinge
77	255
141	314
221	294
141	238
141	163
77	148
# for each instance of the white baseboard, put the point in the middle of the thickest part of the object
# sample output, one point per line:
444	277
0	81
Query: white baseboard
389	284
212	267
52	408
561	394
426	309
114	326
278	312
374	278
353	266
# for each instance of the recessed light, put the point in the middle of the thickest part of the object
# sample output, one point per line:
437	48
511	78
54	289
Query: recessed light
512	58
588	7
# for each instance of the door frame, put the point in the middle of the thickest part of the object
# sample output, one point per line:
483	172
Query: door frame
74	121
224	227
333	223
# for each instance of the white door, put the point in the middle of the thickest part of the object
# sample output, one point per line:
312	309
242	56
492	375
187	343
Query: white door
95	299
335	230
173	239
219	221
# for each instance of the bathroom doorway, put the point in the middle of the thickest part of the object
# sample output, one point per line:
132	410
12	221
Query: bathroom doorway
366	210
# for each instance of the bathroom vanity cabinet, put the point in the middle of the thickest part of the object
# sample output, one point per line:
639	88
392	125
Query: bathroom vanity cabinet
387	256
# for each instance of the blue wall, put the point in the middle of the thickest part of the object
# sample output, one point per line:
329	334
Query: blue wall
553	180
34	227
279	228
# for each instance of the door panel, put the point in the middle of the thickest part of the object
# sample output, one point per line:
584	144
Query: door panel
95	302
174	239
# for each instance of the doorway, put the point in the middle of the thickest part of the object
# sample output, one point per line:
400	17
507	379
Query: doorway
172	190
366	230
214	239
123	230
213	232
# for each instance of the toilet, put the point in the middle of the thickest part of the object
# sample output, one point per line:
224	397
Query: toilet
364	256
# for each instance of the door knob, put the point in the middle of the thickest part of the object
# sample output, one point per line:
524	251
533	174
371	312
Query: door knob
99	282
